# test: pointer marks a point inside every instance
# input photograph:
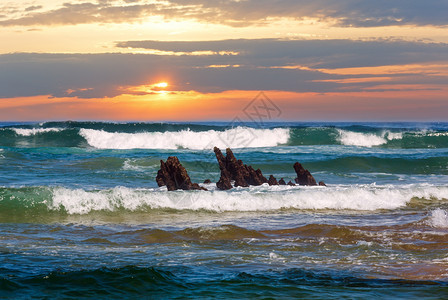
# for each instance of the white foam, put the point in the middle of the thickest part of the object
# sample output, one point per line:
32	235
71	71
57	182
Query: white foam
34	131
262	198
351	138
239	137
438	218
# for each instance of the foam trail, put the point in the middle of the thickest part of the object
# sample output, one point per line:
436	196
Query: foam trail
263	198
239	137
351	138
34	131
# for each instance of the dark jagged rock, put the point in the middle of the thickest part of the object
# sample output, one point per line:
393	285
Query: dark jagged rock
272	180
224	181
282	182
321	183
207	181
221	159
255	176
175	176
291	184
237	169
304	177
242	175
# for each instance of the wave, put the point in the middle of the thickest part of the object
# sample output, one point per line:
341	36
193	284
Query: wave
201	136
262	198
239	137
350	138
34	131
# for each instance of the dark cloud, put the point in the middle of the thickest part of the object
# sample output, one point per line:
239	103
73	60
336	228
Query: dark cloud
246	12
264	64
313	53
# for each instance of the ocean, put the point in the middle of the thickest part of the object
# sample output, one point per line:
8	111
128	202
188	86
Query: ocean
81	215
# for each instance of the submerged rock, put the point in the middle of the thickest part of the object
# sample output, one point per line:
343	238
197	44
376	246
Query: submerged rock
291	184
207	181
282	182
174	176
304	177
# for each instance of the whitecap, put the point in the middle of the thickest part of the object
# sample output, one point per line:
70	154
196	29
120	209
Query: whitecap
238	137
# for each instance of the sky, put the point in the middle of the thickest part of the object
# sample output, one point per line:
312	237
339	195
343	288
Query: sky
204	60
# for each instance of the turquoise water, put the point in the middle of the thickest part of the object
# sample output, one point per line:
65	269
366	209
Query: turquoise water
82	216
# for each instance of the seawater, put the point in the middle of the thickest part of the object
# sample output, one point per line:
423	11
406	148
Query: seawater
81	215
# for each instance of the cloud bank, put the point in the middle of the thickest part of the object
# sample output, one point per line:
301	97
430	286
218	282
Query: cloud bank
259	64
237	13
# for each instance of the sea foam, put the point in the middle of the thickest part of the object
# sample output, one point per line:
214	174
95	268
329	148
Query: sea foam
34	131
262	198
238	137
351	138
438	218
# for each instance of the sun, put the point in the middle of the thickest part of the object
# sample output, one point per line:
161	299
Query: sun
161	85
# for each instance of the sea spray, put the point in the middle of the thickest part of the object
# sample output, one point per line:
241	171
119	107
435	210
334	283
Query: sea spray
438	218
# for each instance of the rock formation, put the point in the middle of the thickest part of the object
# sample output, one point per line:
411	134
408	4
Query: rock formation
234	170
304	177
175	176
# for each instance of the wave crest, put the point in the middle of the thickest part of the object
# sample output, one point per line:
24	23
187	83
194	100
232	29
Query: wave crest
351	138
262	198
238	137
34	131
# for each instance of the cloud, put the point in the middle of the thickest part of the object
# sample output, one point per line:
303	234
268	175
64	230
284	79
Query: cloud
312	53
33	7
243	13
262	64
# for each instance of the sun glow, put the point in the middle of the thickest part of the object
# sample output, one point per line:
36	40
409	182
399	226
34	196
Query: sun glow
161	85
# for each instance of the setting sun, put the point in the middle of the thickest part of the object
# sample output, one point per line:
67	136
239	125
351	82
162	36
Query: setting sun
161	85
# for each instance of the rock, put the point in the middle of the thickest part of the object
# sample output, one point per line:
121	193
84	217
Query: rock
304	177
321	183
175	176
282	182
237	169
291	184
272	180
233	169
224	181
207	181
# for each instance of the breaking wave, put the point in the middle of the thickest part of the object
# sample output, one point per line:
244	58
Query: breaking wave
34	131
351	138
239	137
104	135
261	198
